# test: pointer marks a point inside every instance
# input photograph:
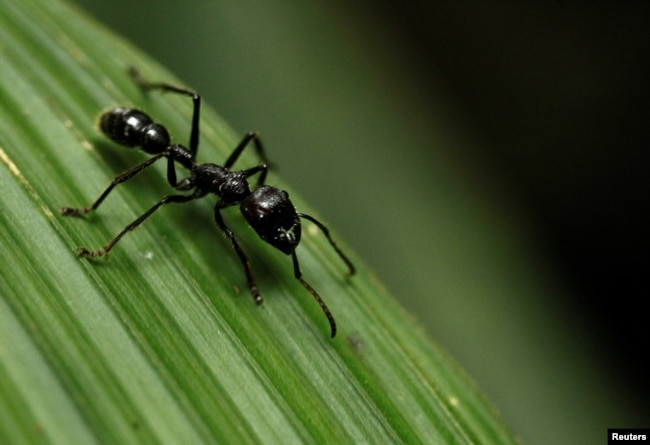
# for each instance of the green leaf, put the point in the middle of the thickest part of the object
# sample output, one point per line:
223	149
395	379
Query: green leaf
162	342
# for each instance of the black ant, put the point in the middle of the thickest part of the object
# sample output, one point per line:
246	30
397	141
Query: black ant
267	209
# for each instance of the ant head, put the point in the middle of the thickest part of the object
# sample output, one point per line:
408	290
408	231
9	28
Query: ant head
271	214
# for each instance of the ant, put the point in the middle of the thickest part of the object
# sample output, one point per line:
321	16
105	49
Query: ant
267	209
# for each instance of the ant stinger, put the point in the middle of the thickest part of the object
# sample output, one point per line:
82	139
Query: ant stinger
267	209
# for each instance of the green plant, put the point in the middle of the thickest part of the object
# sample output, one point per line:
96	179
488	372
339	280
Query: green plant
159	343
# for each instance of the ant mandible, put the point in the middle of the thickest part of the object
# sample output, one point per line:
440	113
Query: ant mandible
267	209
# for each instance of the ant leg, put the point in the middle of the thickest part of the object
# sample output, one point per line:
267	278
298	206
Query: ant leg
104	250
250	136
125	176
166	87
326	232
242	256
298	274
171	172
260	168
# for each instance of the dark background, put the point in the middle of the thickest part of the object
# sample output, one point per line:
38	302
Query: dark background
488	159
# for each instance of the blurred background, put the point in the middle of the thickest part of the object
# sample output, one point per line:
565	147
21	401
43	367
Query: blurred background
487	159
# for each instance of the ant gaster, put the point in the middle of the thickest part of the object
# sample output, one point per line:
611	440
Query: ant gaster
267	209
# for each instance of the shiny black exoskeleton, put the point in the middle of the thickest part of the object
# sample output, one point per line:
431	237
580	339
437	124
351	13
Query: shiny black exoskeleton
267	209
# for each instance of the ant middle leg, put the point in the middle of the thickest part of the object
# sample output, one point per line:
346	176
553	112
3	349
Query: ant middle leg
167	87
125	176
104	250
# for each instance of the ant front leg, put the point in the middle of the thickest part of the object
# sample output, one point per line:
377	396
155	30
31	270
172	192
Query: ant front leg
326	232
260	168
250	136
248	269
166	87
68	211
298	274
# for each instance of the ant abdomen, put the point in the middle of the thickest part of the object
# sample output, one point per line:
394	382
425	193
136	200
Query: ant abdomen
134	128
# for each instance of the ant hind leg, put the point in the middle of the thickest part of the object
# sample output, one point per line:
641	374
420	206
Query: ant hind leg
125	176
167	87
104	250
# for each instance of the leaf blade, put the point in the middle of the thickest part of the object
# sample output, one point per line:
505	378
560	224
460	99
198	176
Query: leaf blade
158	343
